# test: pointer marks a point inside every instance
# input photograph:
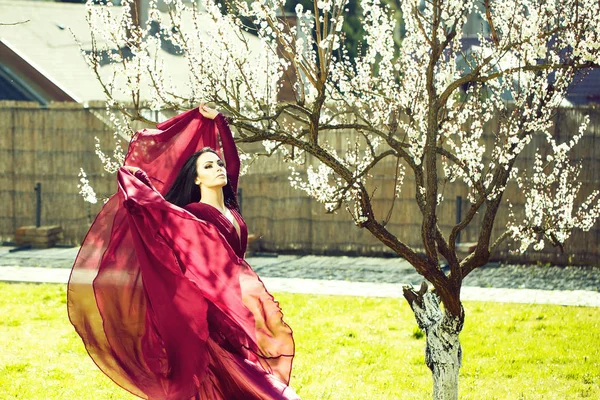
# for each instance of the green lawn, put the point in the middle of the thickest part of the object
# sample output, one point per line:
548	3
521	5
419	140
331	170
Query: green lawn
347	348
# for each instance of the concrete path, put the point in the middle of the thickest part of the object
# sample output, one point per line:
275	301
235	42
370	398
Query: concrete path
53	266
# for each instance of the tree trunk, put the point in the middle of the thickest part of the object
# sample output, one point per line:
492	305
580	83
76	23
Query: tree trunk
443	353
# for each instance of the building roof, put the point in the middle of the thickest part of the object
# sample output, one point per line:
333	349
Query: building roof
41	60
47	47
43	53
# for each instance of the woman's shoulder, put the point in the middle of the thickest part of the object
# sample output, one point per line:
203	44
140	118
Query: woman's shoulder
194	205
198	209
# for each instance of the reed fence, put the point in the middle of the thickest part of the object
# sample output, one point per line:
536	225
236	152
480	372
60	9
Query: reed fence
49	146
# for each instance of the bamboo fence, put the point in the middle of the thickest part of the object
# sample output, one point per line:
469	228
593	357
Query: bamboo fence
49	145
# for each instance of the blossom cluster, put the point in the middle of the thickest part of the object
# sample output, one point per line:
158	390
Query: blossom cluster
324	185
85	189
552	190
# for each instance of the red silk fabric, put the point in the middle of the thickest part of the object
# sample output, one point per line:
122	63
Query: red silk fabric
163	304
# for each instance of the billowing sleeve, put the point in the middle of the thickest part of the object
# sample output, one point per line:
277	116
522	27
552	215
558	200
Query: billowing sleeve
161	152
230	153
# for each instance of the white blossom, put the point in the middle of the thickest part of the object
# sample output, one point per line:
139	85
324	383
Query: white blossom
444	101
551	193
85	190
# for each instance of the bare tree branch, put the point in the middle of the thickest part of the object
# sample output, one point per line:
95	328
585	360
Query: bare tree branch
14	23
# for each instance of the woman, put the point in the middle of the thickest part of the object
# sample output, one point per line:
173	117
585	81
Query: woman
160	293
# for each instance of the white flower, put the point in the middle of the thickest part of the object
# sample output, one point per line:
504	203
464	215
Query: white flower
85	190
480	131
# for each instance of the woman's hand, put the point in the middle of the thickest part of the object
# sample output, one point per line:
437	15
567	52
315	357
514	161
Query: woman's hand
207	112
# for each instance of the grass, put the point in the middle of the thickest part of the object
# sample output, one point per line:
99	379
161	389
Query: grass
347	348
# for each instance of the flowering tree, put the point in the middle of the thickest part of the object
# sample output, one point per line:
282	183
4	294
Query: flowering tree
423	104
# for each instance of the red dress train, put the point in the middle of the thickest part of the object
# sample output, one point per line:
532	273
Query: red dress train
162	297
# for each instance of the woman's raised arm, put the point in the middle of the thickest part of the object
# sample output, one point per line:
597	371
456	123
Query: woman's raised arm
230	153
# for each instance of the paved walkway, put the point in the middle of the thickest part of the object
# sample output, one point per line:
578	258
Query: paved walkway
53	266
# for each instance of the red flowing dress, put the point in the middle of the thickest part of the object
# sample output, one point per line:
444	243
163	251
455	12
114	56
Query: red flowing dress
162	297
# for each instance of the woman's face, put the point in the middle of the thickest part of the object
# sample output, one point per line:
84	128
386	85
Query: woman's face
210	171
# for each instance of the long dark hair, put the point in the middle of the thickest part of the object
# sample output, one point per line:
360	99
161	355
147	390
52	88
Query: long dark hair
184	190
